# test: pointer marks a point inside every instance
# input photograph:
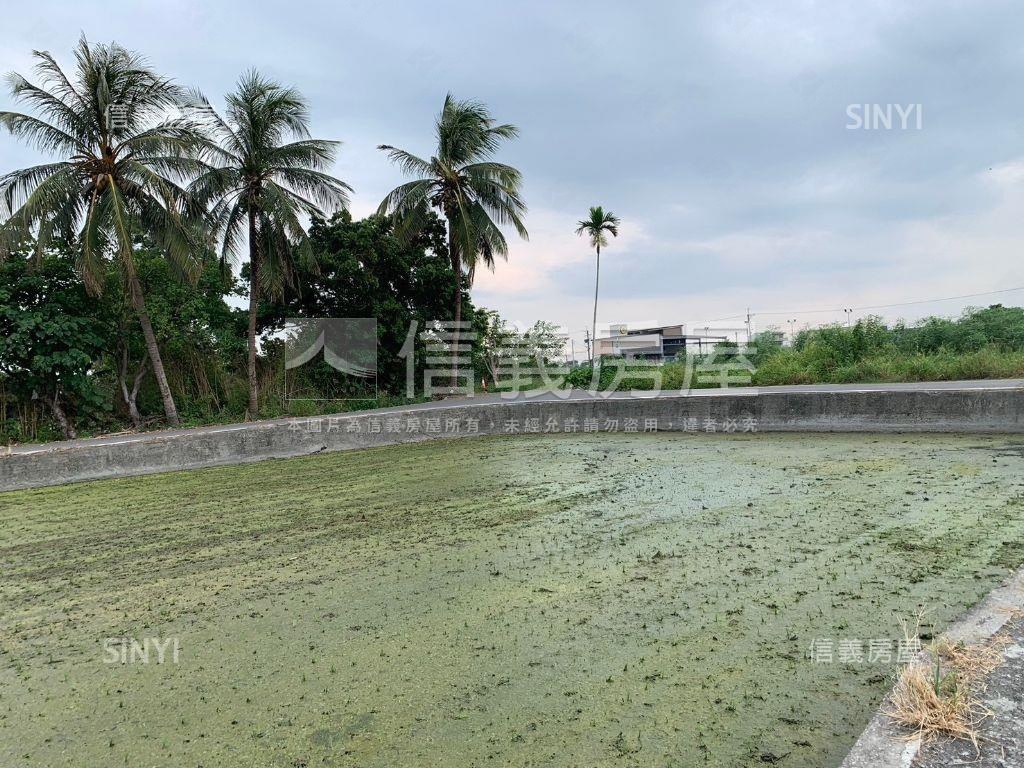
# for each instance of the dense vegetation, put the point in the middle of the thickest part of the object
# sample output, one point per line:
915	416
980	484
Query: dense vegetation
985	343
74	362
981	344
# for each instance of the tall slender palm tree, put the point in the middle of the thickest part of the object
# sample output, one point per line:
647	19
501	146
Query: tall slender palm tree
597	227
475	195
266	176
118	177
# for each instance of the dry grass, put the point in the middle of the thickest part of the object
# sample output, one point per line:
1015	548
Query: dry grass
937	696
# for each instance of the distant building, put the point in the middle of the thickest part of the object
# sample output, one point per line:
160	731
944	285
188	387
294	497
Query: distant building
656	344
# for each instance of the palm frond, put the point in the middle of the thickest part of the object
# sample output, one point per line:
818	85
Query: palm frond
268	167
407	162
40	134
124	161
597	225
315	154
16	187
96	236
475	194
326	192
55	111
229	219
490	240
406	197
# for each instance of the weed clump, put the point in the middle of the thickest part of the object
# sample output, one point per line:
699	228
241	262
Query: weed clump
938	695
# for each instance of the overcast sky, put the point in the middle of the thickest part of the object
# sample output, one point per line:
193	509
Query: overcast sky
718	132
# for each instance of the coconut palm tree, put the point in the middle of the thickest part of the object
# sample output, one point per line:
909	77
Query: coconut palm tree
597	227
475	195
267	175
116	181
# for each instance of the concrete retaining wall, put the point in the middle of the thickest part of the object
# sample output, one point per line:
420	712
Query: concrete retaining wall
939	410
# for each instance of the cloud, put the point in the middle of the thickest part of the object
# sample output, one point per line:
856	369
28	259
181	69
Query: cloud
716	130
534	267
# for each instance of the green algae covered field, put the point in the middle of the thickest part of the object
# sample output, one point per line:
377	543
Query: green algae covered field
578	600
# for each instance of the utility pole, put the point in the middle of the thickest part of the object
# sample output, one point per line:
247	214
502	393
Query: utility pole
586	340
572	348
749	334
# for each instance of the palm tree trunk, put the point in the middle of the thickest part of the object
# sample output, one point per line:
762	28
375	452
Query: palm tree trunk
139	303
254	406
453	252
593	327
455	334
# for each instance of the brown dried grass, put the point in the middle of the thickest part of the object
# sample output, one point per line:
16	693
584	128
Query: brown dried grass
938	695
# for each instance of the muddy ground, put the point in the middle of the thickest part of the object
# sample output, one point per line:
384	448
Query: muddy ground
579	600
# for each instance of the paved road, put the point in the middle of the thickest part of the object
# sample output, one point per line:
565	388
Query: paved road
543	396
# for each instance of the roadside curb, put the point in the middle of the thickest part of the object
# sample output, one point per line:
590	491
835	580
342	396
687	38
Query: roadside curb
883	744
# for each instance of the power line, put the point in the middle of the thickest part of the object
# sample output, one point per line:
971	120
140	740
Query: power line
868	307
898	304
731	317
750	314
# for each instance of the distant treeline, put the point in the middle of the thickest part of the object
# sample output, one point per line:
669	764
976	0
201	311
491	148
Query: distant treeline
981	344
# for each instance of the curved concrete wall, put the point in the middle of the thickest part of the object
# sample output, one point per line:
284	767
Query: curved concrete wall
923	410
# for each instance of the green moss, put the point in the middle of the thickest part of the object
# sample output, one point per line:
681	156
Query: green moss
1010	554
568	600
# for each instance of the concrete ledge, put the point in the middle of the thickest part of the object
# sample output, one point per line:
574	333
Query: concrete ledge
884	744
946	409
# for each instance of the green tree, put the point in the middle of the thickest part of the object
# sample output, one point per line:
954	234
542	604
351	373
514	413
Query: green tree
267	174
51	335
998	326
202	338
364	270
501	347
475	195
597	227
118	179
765	345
